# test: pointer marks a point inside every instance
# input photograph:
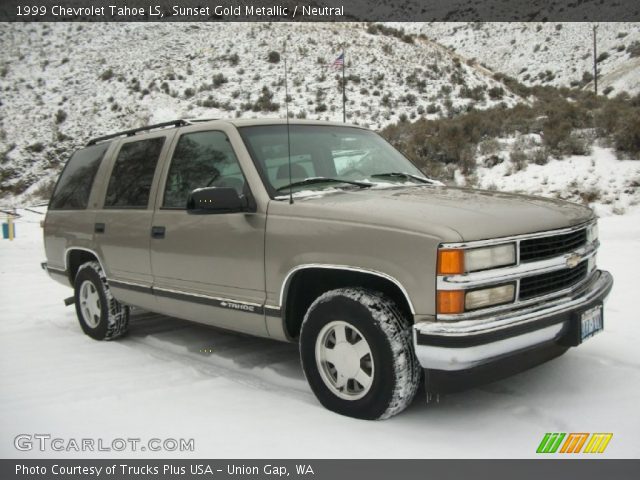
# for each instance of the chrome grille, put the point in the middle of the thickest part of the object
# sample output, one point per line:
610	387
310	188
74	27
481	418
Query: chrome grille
545	283
553	246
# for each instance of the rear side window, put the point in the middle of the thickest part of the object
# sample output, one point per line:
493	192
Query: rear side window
74	186
130	182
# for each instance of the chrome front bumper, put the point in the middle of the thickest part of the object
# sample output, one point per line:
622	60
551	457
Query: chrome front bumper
464	344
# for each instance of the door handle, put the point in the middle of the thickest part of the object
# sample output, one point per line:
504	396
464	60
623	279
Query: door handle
157	232
99	228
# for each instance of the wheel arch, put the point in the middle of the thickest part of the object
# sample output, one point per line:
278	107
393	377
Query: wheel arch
74	257
304	283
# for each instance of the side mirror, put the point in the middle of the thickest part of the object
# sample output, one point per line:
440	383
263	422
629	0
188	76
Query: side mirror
215	200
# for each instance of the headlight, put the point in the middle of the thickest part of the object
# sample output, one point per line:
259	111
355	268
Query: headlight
489	296
489	257
592	232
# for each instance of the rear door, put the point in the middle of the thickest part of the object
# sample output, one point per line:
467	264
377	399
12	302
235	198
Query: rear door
207	268
123	224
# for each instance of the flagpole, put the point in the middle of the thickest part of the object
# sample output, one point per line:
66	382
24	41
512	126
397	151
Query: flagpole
344	86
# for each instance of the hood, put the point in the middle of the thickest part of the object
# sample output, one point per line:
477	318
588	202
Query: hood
449	213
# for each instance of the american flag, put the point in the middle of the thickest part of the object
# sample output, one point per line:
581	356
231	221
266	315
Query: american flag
339	62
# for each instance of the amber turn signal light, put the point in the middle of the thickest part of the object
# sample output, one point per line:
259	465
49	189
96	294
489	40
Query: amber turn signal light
450	262
450	301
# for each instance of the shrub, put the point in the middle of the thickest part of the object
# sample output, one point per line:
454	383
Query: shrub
626	136
489	147
574	145
37	147
602	57
433	108
209	103
45	190
634	49
410	99
475	93
233	59
539	156
189	92
219	79
407	39
107	75
496	93
518	155
590	196
556	129
273	57
61	116
265	103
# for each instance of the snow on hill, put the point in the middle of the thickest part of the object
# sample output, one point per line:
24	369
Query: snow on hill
65	83
606	183
558	54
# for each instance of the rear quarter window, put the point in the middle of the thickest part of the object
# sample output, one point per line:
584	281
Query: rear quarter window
74	185
132	176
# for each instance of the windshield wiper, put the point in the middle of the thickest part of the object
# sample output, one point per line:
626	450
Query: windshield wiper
314	180
407	176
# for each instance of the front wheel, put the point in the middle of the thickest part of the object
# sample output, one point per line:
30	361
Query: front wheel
357	354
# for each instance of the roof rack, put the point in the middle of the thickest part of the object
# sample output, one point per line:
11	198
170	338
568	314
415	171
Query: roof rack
200	120
133	131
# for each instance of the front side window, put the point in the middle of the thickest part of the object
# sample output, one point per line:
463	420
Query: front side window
201	159
73	189
339	153
132	176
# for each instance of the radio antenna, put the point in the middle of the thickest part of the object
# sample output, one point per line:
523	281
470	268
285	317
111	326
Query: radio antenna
286	103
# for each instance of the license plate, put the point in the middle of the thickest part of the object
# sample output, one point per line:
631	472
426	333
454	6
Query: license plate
590	322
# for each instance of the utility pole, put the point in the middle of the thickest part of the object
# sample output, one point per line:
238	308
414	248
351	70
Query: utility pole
595	61
344	86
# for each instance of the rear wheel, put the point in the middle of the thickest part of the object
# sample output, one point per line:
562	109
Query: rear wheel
100	315
357	354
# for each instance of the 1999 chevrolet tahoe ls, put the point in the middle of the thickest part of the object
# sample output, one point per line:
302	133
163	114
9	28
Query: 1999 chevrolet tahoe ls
322	234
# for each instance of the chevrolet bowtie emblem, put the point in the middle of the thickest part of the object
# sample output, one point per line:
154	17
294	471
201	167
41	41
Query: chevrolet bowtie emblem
573	260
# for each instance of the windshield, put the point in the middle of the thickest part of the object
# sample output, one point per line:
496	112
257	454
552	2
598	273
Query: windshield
318	151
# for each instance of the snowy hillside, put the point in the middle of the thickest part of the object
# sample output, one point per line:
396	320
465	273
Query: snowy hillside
547	53
600	179
65	83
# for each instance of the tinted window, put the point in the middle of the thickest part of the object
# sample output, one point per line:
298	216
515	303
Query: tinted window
202	159
74	185
130	183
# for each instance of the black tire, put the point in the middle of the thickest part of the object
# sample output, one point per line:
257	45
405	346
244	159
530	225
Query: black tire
113	319
396	373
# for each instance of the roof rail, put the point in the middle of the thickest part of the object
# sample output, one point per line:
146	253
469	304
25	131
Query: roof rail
133	131
200	120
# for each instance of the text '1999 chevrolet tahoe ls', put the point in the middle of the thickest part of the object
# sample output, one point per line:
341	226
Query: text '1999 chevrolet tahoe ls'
323	234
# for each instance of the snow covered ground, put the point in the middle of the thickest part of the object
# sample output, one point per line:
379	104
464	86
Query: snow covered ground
242	397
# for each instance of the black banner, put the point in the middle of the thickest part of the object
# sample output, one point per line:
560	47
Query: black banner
320	10
116	469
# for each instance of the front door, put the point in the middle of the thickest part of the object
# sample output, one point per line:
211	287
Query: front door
207	268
